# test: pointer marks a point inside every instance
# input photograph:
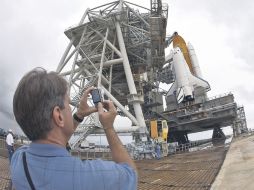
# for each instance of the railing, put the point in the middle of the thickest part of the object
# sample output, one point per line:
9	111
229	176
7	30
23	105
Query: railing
92	154
219	96
89	154
174	149
2	142
17	143
3	149
105	154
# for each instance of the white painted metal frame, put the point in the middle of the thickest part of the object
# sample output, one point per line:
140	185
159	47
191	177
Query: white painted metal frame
91	50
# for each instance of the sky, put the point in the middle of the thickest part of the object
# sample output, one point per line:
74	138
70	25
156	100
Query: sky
32	35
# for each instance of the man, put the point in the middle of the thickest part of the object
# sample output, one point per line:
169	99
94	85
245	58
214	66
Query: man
9	143
158	151
41	108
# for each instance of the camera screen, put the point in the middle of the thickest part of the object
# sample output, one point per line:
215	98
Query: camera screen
96	96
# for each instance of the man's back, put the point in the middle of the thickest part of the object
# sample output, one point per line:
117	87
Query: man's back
52	167
41	105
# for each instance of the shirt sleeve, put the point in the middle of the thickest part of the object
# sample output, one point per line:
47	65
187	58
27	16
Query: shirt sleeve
9	139
112	175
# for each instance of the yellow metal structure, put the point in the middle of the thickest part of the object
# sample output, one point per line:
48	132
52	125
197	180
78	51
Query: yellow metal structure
178	41
159	130
154	129
164	130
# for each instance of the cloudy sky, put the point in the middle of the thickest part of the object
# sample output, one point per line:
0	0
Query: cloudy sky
221	32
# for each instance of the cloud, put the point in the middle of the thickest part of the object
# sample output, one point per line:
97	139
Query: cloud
222	35
220	31
247	93
31	36
7	114
7	123
231	18
237	17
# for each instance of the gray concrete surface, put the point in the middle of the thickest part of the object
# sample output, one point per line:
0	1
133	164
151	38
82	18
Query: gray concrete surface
237	171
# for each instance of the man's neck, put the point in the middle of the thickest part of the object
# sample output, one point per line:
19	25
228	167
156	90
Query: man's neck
51	141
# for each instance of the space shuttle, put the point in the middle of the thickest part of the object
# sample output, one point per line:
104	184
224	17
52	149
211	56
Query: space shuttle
187	71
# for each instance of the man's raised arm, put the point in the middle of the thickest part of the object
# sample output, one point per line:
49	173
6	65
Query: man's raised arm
119	153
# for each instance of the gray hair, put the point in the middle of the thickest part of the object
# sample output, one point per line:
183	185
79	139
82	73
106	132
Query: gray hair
37	94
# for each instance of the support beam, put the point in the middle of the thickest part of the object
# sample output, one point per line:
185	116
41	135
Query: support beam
128	73
120	106
62	62
102	58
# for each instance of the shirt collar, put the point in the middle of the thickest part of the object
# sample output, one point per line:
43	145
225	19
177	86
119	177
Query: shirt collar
47	150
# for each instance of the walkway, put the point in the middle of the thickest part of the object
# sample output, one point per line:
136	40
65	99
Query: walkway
186	171
191	170
4	173
237	171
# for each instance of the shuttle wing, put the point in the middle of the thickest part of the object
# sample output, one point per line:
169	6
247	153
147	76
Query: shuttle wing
195	81
172	89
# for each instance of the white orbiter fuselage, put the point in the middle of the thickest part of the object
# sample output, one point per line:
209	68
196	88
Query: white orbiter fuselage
185	81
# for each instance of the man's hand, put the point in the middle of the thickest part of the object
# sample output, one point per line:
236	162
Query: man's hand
107	118
84	109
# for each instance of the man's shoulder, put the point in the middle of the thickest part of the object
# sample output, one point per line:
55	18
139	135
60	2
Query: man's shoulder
20	150
17	154
99	165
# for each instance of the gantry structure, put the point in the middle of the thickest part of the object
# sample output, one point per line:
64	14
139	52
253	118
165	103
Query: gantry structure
120	48
113	47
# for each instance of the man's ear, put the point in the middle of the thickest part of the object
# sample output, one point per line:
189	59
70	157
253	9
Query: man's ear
57	117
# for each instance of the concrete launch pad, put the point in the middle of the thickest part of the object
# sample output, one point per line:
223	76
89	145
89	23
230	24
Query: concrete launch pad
4	173
234	168
193	170
237	170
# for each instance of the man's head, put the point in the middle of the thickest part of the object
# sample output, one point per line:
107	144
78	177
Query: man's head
37	96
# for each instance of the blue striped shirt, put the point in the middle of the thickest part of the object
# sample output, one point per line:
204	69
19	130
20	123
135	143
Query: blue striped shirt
52	167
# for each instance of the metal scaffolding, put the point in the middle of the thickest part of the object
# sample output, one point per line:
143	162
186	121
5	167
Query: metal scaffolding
112	47
240	124
120	48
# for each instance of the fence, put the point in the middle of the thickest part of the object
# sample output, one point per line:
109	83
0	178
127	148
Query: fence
91	154
188	147
3	149
105	154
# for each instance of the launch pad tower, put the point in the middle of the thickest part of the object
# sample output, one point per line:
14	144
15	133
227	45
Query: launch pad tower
120	48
